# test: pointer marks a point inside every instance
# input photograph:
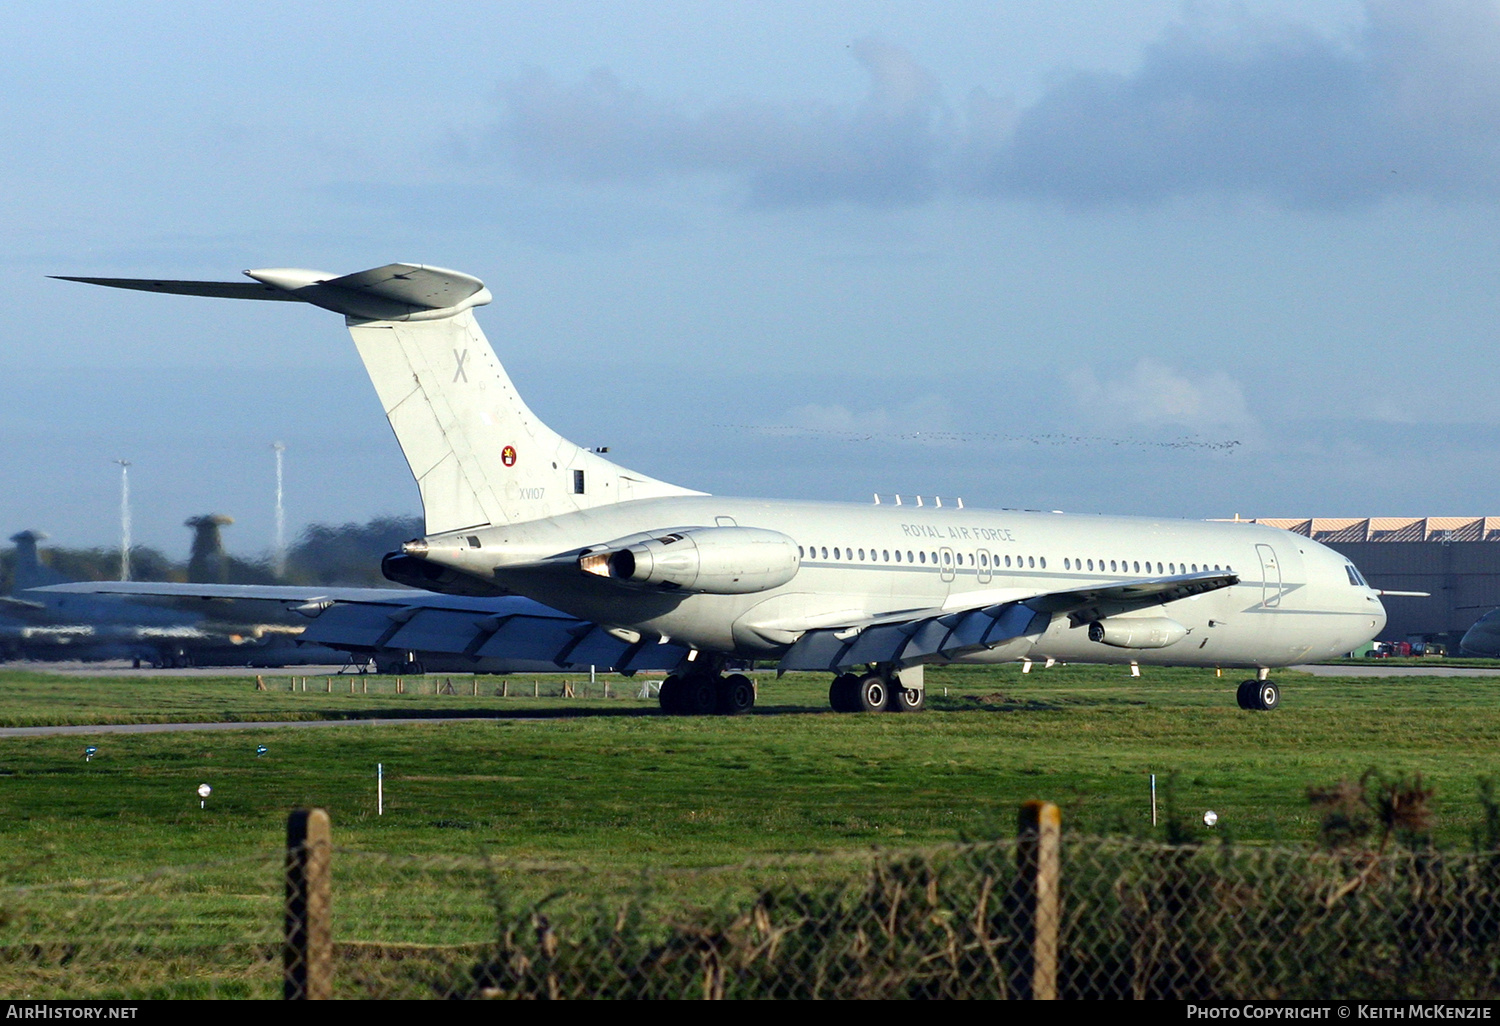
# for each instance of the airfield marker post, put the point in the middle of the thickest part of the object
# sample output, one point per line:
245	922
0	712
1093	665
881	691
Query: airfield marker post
1038	858
307	957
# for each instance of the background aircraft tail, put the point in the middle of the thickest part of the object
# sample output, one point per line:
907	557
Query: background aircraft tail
29	571
480	456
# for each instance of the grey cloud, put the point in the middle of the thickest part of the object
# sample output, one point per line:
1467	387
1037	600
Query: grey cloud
883	151
1411	106
1408	105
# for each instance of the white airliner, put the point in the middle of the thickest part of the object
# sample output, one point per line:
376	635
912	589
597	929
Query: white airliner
869	593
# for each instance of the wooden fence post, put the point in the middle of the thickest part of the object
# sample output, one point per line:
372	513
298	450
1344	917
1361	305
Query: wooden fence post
307	958
1039	857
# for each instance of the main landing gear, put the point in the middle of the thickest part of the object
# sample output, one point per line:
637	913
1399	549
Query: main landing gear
878	692
707	694
1258	694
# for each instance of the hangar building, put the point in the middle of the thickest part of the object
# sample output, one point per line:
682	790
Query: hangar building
1455	559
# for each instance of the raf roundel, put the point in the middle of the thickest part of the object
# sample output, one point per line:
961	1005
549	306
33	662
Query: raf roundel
508	455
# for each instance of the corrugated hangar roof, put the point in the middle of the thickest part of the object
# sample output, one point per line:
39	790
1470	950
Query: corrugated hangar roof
1388	529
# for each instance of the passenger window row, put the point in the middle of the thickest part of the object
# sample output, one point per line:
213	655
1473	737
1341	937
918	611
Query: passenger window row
999	561
921	557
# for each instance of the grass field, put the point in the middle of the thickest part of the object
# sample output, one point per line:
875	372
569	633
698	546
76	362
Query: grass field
594	787
593	779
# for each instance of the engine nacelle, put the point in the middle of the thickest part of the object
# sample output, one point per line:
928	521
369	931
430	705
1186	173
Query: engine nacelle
707	560
1137	631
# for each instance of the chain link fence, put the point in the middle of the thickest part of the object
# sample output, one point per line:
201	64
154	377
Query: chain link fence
1134	920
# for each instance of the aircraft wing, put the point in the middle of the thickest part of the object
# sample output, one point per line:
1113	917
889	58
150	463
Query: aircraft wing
486	631
934	635
21	609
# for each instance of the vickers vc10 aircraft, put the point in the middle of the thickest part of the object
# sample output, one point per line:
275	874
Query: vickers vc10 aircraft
663	576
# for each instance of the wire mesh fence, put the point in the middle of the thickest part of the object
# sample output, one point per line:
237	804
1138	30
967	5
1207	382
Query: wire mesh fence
1136	920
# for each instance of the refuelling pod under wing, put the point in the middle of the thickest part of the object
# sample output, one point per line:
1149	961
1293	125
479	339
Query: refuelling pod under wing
704	560
1137	631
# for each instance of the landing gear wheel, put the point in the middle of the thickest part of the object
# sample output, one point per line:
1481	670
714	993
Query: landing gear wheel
735	695
873	693
700	695
670	695
1258	695
843	693
906	700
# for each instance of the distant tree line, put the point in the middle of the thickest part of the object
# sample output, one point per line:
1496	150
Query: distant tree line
324	554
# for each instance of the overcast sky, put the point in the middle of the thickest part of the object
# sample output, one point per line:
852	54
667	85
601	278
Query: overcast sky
1151	257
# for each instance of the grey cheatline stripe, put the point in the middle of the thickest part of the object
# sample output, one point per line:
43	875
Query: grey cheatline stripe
171	728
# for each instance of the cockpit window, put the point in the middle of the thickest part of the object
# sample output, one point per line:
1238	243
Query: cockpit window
1354	576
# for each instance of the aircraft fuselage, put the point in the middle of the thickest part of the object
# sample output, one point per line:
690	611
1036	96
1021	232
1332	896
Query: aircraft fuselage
1295	601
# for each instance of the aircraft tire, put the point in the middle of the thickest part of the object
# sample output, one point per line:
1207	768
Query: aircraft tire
910	700
1267	695
700	695
1246	693
873	693
843	693
670	695
735	695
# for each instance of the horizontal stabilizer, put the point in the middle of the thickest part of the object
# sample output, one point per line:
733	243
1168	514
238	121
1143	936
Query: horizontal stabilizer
215	289
395	292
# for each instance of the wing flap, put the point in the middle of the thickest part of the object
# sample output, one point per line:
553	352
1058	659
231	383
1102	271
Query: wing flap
937	635
438	630
352	626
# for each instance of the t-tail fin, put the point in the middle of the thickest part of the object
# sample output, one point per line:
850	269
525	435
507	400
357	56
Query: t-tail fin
480	456
28	570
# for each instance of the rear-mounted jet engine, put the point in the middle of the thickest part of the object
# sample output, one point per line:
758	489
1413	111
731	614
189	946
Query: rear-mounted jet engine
706	560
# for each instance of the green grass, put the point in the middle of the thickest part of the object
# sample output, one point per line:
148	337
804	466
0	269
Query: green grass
45	699
588	788
612	779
